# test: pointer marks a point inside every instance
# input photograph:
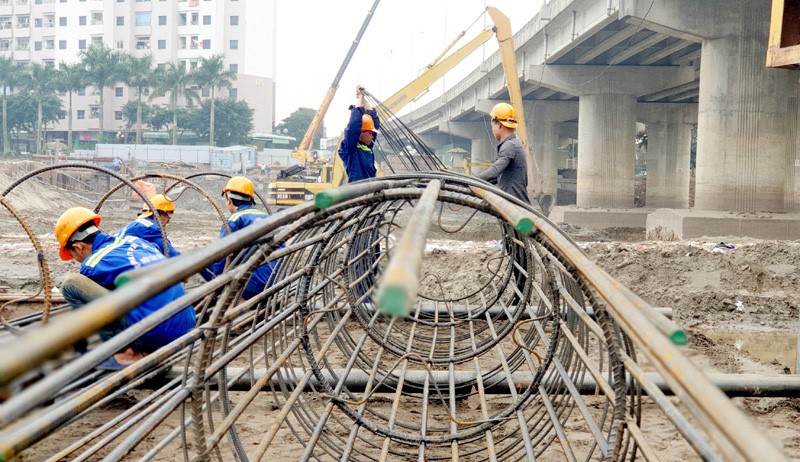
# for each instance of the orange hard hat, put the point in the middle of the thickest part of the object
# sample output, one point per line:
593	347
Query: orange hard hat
505	114
69	222
367	124
161	202
240	185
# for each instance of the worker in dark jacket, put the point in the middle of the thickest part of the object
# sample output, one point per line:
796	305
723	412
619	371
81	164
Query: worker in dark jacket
240	199
359	137
509	170
104	257
145	226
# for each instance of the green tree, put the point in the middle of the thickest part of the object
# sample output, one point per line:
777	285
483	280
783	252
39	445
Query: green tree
23	107
234	126
71	78
102	67
11	74
297	124
138	75
212	75
42	83
174	79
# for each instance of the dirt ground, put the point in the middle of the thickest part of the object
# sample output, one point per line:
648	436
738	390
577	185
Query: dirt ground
739	305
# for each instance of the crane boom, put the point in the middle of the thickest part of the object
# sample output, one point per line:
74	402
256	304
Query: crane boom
316	123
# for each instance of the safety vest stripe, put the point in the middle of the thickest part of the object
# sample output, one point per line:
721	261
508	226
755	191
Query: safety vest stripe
236	215
95	259
145	222
363	147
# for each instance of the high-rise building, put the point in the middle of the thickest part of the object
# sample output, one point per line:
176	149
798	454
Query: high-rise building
180	31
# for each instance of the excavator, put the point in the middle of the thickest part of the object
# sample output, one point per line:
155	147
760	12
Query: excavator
332	175
784	35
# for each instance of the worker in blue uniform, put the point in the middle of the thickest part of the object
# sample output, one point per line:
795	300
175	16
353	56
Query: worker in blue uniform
359	138
239	196
104	257
146	227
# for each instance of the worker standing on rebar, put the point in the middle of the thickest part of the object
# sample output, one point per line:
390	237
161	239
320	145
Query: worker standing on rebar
145	226
104	257
509	170
239	196
359	137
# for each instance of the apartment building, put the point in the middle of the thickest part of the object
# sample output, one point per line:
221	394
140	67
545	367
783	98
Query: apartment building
182	31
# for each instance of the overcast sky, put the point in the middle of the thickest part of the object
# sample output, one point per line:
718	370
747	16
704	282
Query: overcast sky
402	38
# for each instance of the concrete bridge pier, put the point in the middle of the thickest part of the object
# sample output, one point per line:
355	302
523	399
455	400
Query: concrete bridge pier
669	132
484	146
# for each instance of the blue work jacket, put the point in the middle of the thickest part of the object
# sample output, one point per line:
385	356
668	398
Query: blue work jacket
146	228
358	158
112	256
244	216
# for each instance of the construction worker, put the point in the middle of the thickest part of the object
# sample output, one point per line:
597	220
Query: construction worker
239	196
359	137
509	170
145	226
104	257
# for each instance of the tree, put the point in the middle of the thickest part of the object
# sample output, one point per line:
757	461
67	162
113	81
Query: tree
138	75
71	78
297	124
174	79
212	74
11	74
23	107
42	83
102	67
235	121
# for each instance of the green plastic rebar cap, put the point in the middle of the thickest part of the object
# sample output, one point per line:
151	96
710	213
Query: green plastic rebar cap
122	279
325	199
679	337
392	301
524	226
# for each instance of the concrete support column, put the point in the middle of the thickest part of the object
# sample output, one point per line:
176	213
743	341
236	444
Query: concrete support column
484	146
668	153
544	145
742	125
792	189
606	130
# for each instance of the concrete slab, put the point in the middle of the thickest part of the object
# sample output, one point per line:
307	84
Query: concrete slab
600	217
671	224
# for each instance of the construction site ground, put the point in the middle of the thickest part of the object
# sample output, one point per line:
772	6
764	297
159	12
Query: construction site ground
739	305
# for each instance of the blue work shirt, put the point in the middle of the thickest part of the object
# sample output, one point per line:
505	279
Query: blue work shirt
244	216
146	228
358	158
112	256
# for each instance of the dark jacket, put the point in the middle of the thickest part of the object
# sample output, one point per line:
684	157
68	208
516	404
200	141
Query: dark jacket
245	215
112	256
509	171
358	158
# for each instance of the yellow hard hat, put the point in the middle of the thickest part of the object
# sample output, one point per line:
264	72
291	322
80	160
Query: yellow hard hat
504	113
367	124
240	185
68	223
161	202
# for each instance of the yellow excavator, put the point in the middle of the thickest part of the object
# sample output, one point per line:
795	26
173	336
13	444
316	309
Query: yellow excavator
332	175
784	35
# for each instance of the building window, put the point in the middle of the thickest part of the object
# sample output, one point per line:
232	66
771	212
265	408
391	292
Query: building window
182	19
162	44
120	45
234	68
37	46
234	20
81	114
233	93
37	22
97	39
94	112
234	45
81	20
195	19
82	44
162	20
143	42
207	20
23	44
62	44
62	21
23	22
117	115
82	91
120	20
5	22
5	44
118	92
97	18
192	66
49	44
143	18
206	44
195	42
49	21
